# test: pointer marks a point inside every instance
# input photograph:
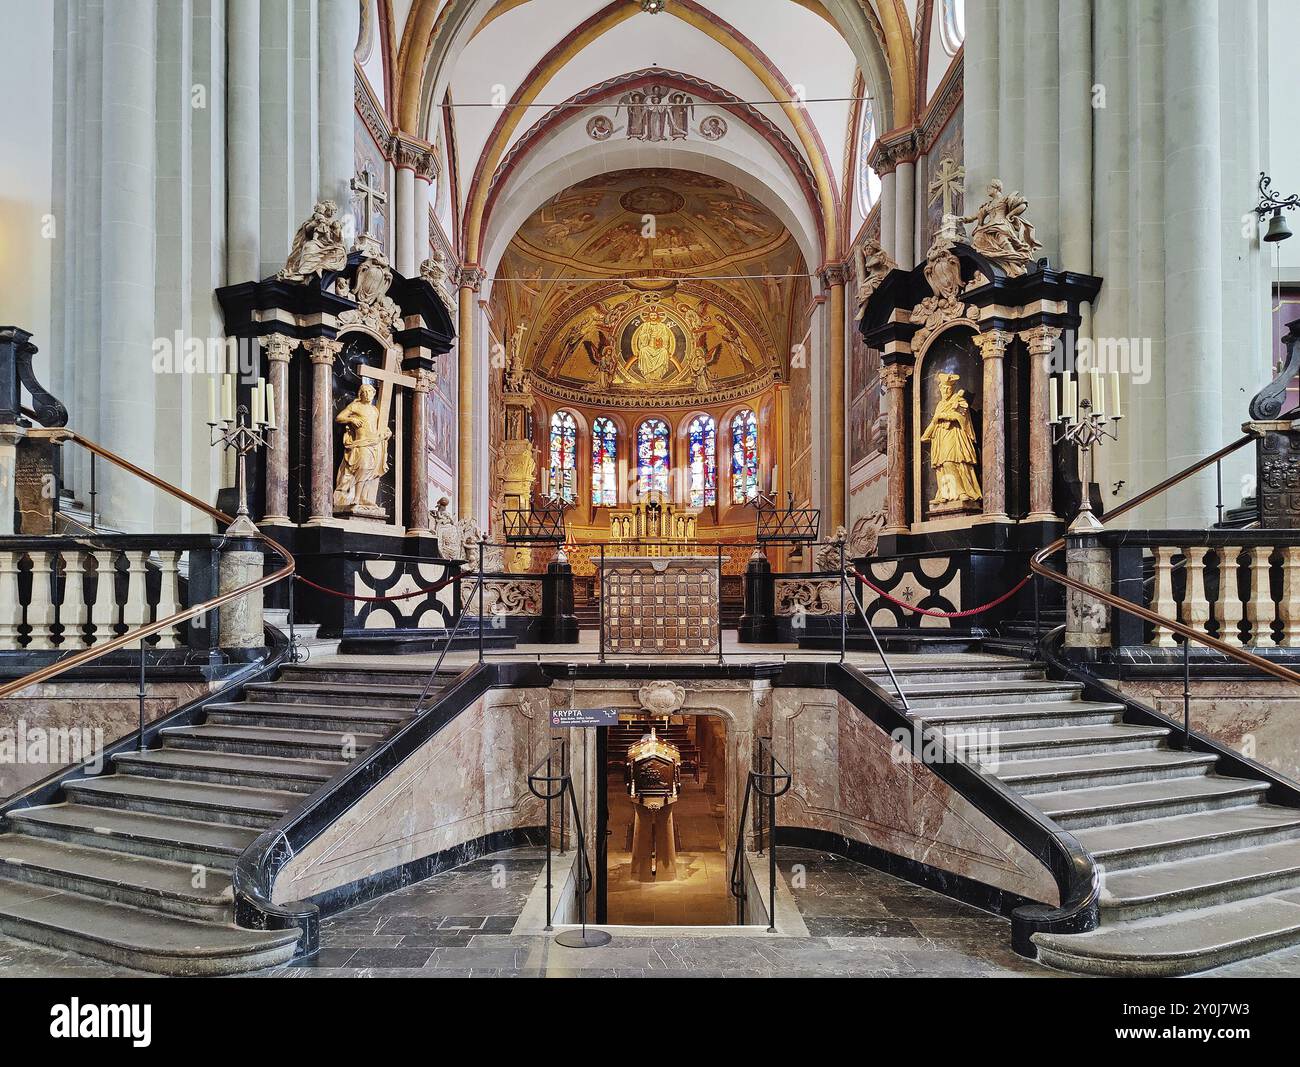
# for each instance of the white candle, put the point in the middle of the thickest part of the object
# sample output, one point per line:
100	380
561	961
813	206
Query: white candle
1114	383
1098	392
1070	399
1053	401
212	402
227	397
270	406
259	402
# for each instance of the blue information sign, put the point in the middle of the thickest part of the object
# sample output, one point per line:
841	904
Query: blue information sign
569	717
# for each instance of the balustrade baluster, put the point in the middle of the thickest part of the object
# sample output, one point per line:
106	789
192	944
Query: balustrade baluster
1228	608
135	611
1260	608
169	601
40	612
1289	608
1196	605
103	614
11	612
74	612
1162	597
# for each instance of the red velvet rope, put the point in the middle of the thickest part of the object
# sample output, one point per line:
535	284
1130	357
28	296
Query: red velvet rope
422	591
942	614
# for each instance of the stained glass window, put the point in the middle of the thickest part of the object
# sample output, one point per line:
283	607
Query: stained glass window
744	457
652	457
564	454
702	456
868	180
604	463
952	25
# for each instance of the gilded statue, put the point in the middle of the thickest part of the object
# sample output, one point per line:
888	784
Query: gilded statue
365	455
873	263
953	455
317	246
1002	233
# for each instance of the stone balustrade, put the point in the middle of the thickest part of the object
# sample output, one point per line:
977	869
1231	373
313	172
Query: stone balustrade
61	595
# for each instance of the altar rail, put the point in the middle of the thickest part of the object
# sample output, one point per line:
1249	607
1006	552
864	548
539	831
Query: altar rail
63	594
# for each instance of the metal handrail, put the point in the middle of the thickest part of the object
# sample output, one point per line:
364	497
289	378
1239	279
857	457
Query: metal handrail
845	587
88	655
1038	565
550	787
446	646
779	782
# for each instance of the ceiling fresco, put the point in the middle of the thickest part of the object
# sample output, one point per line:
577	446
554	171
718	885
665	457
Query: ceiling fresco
650	281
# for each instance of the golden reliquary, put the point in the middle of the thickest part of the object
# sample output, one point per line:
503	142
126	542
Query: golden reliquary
654	771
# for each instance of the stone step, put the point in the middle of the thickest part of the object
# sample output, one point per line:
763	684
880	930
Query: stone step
231	768
307	717
1132	844
135	937
1006	717
204	801
401	697
160	836
265	741
334	672
125	879
981	671
968	694
1199	882
1054	775
1038	743
1108	804
1179	943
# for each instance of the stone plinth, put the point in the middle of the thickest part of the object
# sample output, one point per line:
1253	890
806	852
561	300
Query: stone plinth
668	604
1087	620
241	619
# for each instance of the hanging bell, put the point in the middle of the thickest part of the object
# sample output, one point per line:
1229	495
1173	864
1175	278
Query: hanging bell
1277	230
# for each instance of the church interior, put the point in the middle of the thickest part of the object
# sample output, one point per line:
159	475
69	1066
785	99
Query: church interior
541	488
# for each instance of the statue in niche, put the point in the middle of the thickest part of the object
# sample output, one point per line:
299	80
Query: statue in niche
1002	233
953	454
872	263
365	456
318	245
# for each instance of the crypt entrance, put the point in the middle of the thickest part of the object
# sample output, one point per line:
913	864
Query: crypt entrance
661	818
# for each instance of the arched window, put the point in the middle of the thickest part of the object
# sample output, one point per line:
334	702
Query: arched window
952	25
604	463
868	181
652	457
744	457
564	457
702	459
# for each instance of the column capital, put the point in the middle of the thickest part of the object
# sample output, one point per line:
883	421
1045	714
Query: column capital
891	149
830	274
993	345
412	153
323	349
1040	339
471	276
895	375
279	347
425	380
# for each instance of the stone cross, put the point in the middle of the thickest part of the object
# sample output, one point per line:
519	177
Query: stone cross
370	195
947	183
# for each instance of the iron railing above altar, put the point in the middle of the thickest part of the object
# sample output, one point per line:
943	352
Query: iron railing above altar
789	524
543	523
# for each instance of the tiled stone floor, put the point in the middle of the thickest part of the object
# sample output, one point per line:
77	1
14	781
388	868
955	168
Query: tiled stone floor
861	922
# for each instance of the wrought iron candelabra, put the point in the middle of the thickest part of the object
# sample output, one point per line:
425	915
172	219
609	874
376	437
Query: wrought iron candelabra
1085	424
244	432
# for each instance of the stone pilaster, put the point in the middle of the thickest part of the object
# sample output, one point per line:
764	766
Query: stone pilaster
993	349
470	281
832	278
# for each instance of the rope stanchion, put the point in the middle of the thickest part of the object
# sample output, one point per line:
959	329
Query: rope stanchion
423	590
933	613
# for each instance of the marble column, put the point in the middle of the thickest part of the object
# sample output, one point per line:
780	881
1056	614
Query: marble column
322	352
337	34
894	376
243	139
279	349
905	214
1040	342
1193	228
471	279
993	349
418	463
832	277
127	384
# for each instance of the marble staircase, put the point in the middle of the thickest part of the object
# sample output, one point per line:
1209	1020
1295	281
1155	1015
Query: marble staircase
134	866
1198	868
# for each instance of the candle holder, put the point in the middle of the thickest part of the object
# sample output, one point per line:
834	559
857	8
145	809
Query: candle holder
1086	428
244	438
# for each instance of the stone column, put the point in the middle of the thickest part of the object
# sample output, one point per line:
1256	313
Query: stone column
338	28
1074	105
416	163
905	214
980	88
832	277
1040	340
1011	16
322	351
894	376
993	347
243	139
888	195
279	349
404	220
418	462
127	384
471	278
